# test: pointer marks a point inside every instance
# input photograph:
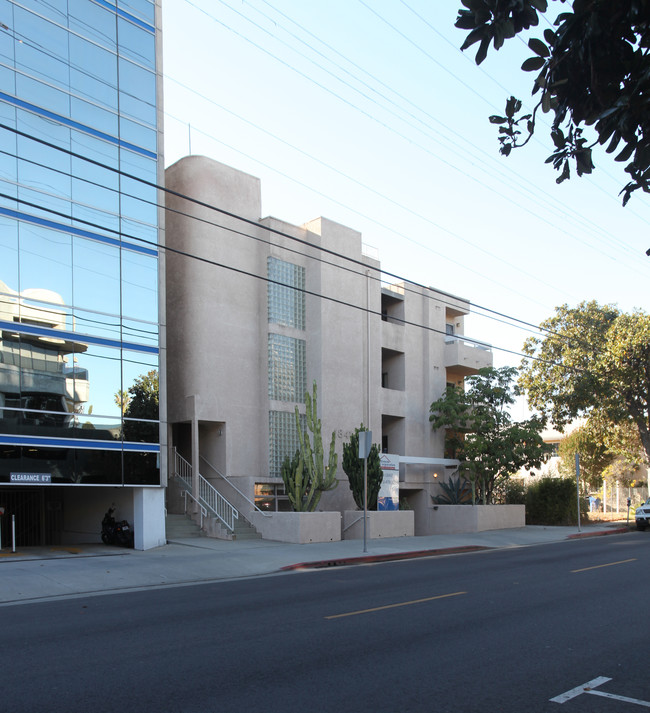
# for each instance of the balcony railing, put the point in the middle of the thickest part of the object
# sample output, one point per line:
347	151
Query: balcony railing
466	355
470	343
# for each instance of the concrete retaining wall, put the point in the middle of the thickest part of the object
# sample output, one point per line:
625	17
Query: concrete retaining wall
298	527
453	519
399	523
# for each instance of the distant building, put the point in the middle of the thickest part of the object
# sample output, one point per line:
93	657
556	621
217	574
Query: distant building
79	268
268	309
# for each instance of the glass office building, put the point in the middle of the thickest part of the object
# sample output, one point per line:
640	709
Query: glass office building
80	341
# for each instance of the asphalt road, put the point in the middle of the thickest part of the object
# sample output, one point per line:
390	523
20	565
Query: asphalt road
497	631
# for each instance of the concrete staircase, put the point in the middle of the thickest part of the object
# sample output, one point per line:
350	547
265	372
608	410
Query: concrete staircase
179	527
245	531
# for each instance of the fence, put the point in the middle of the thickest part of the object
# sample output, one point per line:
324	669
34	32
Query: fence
613	498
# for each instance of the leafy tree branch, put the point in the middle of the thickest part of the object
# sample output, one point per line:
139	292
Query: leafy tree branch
593	70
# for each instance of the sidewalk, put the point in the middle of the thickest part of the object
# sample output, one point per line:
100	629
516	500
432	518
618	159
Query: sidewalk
37	574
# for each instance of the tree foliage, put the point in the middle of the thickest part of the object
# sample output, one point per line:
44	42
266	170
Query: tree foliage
594	361
141	402
589	442
593	70
489	444
353	467
607	451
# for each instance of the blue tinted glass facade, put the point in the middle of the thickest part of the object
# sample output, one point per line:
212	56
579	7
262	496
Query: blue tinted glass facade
79	313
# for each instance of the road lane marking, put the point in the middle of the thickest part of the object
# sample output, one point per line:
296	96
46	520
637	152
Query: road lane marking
624	699
578	690
392	606
598	566
590	687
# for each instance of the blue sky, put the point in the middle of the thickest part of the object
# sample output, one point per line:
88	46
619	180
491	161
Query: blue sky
366	112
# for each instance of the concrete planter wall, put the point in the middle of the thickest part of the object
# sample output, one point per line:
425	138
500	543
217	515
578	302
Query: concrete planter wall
298	527
452	519
398	523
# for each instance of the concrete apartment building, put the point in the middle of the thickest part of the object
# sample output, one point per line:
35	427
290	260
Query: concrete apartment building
81	296
260	309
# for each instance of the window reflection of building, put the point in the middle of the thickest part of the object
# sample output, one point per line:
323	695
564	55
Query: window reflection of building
79	263
271	498
37	387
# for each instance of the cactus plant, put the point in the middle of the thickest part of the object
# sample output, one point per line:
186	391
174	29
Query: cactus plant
295	481
455	492
306	477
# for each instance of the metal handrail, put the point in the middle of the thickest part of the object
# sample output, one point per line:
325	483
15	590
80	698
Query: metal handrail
215	501
354	522
235	488
209	496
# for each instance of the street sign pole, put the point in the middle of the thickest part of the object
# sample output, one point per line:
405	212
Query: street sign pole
365	444
365	503
578	486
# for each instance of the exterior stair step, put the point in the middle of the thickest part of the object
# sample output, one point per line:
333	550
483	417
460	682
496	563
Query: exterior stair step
180	527
245	531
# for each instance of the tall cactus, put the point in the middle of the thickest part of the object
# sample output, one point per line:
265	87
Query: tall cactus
307	476
295	480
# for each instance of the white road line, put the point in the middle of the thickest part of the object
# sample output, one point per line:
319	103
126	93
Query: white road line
589	688
578	690
636	701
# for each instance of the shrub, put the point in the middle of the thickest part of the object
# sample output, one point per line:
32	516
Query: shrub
552	501
515	492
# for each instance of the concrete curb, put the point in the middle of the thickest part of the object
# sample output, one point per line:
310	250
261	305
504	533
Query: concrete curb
393	556
599	533
387	557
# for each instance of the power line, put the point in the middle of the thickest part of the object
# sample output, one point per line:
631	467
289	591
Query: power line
269	280
536	190
415	213
491	314
222	211
397	132
215	208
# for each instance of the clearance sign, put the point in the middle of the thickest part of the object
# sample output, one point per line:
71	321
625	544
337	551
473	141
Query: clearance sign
30	478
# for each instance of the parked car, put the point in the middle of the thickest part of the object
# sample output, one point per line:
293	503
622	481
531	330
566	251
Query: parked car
642	515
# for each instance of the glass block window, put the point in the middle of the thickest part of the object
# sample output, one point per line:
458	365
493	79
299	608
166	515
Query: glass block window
287	368
283	439
286	298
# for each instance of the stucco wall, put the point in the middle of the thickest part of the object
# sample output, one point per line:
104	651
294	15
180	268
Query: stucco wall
218	337
380	524
298	527
452	519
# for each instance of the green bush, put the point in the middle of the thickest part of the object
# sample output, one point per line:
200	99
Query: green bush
515	492
552	501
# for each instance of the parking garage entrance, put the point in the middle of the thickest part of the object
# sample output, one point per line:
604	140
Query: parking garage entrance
37	513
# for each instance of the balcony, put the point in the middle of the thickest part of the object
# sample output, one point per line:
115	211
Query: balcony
466	357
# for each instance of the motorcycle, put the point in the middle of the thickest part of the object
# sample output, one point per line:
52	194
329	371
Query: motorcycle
116	533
